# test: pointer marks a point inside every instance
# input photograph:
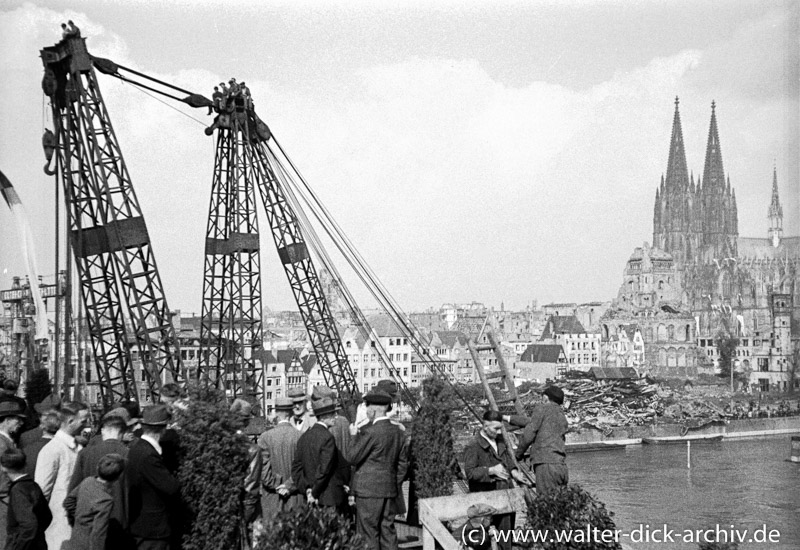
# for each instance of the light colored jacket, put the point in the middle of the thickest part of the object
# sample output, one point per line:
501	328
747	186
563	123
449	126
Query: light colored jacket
54	470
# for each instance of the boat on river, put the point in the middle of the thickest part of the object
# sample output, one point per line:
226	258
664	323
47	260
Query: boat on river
672	439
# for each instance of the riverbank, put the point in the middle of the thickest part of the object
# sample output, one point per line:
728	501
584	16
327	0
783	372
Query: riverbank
632	435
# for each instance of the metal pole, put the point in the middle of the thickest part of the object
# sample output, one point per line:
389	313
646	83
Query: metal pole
57	336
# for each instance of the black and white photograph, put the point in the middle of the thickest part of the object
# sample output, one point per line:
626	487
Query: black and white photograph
423	274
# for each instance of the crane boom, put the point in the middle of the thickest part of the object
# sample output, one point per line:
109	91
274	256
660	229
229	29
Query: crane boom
119	280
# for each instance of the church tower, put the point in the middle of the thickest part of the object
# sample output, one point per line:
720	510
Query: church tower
720	224
673	214
775	213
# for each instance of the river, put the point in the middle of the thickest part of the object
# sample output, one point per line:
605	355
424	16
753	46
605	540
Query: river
741	483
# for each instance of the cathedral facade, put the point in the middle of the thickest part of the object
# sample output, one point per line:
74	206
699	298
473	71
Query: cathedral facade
748	287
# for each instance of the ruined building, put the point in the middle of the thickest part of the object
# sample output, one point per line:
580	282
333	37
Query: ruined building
721	282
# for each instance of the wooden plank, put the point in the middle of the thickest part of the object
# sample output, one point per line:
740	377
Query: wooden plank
455	507
433	528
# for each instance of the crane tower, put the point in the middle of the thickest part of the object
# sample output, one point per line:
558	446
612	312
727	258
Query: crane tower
119	281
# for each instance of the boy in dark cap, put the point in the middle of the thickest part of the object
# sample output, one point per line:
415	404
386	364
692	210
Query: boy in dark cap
28	512
545	433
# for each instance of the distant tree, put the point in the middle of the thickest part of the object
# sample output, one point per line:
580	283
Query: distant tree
37	386
726	349
794	370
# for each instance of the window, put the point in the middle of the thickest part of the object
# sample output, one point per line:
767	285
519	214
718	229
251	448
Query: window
347	344
413	369
763	365
269	381
391	357
391	342
372	373
355	373
269	395
405	357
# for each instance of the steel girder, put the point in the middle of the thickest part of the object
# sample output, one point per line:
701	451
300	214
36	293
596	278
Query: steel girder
230	330
120	286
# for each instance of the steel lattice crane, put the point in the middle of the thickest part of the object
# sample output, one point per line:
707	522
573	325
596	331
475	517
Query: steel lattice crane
231	320
118	276
231	295
119	280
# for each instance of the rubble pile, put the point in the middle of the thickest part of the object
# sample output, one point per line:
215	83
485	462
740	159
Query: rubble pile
607	404
603	405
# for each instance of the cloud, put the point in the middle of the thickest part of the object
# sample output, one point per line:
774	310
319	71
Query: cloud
453	185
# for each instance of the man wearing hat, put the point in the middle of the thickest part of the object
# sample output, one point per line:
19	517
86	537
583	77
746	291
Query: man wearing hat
379	454
318	469
151	486
341	427
278	446
545	433
302	418
11	419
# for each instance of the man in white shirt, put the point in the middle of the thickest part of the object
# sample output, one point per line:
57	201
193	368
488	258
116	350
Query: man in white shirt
55	466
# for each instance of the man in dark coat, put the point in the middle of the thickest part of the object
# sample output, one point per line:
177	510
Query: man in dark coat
28	511
151	487
112	428
50	404
318	467
545	433
379	454
12	417
489	466
50	423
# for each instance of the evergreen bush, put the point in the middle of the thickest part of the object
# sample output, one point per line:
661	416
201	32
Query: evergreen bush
434	463
213	465
310	527
37	386
571	508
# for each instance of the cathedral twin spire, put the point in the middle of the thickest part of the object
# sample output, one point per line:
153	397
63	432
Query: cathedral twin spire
695	223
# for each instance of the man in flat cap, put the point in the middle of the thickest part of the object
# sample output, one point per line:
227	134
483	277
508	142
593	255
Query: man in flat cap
545	433
302	418
379	453
318	469
278	447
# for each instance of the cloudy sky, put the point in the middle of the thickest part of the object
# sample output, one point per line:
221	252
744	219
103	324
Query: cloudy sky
487	151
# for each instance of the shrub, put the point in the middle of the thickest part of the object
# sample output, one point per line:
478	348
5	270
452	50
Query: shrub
37	386
718	546
307	527
213	465
434	463
570	508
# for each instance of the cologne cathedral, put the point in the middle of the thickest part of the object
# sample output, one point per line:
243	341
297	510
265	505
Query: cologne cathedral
701	278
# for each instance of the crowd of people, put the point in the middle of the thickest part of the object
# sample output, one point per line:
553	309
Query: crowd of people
757	410
227	96
64	486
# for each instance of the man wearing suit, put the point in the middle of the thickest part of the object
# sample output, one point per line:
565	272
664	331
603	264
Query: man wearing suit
112	428
379	453
318	469
12	417
278	446
151	487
